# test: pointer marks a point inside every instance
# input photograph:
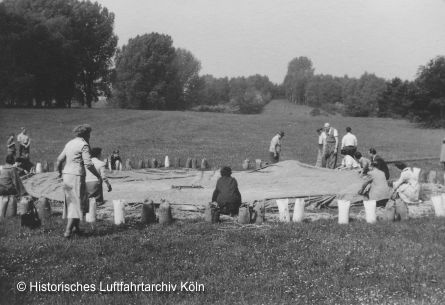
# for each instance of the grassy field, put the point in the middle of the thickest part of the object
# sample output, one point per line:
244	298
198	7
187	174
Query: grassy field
221	138
308	263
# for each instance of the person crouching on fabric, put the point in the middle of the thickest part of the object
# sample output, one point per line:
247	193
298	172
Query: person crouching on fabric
226	193
77	158
94	187
405	190
375	186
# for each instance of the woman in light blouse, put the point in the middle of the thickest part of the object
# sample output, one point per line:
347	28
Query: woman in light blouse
76	156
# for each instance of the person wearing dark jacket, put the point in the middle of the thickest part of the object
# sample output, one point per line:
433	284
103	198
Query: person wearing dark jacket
10	185
378	162
226	193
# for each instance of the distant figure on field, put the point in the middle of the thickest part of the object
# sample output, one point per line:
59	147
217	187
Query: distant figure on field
378	162
275	147
10	185
331	146
349	143
77	158
226	193
405	190
321	144
365	163
24	143
10	145
115	160
94	187
442	153
375	186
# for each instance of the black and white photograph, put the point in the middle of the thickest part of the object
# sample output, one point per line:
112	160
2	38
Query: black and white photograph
222	152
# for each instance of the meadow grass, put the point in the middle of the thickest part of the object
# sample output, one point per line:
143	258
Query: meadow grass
307	263
220	138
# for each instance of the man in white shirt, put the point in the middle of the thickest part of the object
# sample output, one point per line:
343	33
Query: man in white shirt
331	147
94	186
349	143
275	147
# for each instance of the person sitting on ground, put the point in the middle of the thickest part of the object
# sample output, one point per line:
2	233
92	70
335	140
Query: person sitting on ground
349	142
378	162
10	185
94	186
226	193
364	162
348	162
10	145
114	158
405	190
375	186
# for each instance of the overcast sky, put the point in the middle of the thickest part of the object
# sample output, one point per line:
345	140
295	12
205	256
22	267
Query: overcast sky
245	37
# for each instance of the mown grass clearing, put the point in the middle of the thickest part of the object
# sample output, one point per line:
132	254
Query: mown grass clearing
221	138
308	263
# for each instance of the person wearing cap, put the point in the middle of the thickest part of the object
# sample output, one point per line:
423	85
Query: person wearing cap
349	143
77	159
331	147
226	193
24	143
275	147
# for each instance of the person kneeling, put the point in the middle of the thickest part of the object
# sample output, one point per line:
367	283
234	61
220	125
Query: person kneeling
375	186
226	193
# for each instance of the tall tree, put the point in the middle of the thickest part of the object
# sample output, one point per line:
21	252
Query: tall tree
188	68
299	73
146	74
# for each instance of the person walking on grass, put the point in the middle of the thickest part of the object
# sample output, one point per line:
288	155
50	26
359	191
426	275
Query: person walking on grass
77	158
275	147
94	187
349	143
331	147
24	143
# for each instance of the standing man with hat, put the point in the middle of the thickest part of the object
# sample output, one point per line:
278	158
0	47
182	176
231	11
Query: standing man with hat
275	147
331	147
24	143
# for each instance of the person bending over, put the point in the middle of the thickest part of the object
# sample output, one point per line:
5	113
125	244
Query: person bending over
94	187
226	193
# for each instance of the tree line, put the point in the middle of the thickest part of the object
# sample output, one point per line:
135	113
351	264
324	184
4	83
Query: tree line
421	100
55	51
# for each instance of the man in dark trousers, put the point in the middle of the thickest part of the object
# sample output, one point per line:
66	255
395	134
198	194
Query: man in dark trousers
378	162
226	193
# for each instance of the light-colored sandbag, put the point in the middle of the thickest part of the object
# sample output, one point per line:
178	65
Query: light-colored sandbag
283	209
259	212
39	168
165	213
258	163
246	164
119	211
298	215
91	215
44	210
148	215
167	162
370	211
204	164
343	211
211	212
244	215
438	205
